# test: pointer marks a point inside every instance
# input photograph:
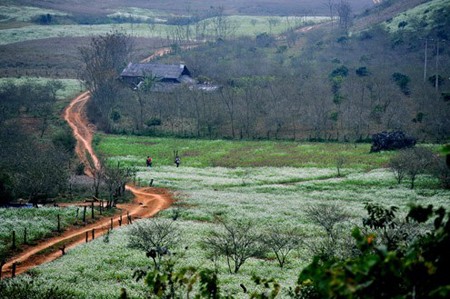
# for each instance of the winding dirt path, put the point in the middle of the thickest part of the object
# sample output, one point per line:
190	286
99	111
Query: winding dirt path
146	203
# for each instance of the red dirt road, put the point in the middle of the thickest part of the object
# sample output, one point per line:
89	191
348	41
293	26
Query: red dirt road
146	203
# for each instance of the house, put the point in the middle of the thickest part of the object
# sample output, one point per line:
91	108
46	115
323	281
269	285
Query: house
167	76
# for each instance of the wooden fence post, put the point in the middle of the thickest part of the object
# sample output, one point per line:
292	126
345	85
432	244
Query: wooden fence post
13	271
120	220
87	236
2	263
93	233
112	225
84	214
128	217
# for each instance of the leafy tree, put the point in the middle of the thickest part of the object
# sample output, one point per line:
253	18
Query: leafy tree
416	271
402	81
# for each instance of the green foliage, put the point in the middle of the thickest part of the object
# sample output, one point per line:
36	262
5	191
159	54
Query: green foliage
153	122
341	71
402	81
65	141
169	281
419	270
362	71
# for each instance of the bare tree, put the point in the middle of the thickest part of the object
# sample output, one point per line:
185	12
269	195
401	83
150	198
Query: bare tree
115	178
229	98
155	236
336	243
43	172
104	59
412	162
222	26
330	5
344	11
281	242
236	240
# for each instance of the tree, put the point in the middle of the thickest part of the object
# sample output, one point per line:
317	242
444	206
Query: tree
412	162
344	11
104	59
222	26
236	240
402	81
417	270
398	165
115	178
281	242
328	216
155	236
43	171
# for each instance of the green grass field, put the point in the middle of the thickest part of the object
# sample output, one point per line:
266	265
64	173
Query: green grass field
133	150
241	25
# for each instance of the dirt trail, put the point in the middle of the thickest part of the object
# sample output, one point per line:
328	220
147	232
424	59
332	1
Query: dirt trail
146	203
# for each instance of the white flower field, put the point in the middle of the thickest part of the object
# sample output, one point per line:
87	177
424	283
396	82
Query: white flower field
267	196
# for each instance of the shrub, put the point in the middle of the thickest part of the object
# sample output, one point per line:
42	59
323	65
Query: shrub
417	271
412	162
237	241
391	141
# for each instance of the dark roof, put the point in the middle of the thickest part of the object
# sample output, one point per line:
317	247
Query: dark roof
166	71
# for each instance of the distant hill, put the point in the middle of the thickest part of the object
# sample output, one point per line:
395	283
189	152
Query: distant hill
183	7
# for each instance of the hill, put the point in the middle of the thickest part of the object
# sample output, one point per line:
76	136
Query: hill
300	81
183	7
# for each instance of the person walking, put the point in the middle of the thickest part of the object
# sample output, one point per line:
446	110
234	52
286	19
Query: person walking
177	161
149	161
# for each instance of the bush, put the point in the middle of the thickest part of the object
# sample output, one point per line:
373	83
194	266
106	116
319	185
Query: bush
417	271
391	141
